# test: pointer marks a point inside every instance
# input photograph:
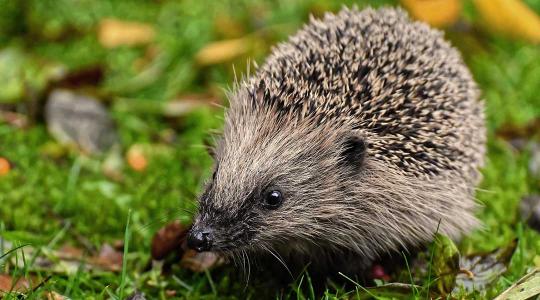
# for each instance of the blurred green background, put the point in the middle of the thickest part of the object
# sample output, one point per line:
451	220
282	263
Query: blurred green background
158	66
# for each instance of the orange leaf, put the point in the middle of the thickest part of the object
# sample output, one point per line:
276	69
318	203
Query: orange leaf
437	13
5	166
222	51
511	17
113	33
136	158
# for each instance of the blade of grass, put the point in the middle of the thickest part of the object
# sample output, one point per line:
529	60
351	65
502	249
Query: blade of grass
50	245
358	285
73	178
2	228
13	250
182	283
111	294
415	290
298	289
124	257
211	282
521	247
431	260
311	289
74	280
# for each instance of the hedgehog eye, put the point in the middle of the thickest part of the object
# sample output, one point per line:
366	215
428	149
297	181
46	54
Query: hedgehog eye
272	198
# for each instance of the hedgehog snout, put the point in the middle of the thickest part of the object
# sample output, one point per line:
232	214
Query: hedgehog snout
200	238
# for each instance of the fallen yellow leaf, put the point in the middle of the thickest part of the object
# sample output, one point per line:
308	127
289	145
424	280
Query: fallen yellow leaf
113	33
222	51
525	288
437	13
511	17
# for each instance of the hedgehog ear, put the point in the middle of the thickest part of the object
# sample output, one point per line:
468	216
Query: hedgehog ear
354	150
260	92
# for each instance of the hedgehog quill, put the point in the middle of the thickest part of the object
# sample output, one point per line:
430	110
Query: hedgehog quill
361	135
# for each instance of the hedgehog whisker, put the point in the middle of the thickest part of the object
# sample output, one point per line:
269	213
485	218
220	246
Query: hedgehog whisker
218	105
248	268
279	259
243	265
167	216
478	189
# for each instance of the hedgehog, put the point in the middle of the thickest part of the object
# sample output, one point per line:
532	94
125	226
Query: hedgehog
361	135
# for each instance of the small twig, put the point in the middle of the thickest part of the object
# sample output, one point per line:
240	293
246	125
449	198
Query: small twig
42	283
466	272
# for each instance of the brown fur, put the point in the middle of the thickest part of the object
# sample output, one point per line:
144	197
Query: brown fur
370	74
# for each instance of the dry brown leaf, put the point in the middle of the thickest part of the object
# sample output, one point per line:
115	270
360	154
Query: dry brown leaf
10	284
168	240
68	252
437	13
108	259
84	77
512	131
510	17
113	33
222	51
69	259
200	261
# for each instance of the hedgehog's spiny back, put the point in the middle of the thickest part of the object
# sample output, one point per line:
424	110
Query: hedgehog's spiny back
397	81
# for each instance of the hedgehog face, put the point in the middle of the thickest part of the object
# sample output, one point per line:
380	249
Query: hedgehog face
272	182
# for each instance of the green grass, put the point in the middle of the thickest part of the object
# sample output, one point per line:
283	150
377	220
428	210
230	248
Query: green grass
48	202
127	236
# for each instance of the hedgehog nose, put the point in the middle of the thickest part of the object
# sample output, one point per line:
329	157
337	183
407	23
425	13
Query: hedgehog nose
200	239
